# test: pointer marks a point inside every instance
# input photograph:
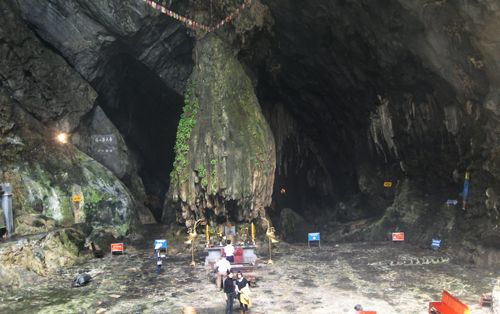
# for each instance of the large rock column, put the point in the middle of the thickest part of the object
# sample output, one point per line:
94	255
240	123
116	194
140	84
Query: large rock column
225	152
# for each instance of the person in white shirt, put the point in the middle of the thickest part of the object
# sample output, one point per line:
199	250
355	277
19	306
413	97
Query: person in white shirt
158	258
229	251
221	268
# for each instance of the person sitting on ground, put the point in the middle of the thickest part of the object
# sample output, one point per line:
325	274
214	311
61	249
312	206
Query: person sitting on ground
221	268
229	251
230	291
242	291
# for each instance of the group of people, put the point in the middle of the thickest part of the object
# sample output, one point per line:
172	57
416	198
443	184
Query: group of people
234	288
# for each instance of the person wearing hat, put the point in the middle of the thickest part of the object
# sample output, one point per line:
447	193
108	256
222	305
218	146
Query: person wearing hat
158	258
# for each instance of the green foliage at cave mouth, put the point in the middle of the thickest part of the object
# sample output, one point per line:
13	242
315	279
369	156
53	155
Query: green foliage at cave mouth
184	129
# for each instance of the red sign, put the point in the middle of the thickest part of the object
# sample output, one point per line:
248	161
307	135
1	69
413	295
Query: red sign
117	247
398	236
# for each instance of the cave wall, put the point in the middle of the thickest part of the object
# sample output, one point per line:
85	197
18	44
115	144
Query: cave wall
408	92
355	93
88	34
107	43
40	95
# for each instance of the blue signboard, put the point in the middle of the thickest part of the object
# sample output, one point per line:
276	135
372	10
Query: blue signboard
163	244
313	236
436	244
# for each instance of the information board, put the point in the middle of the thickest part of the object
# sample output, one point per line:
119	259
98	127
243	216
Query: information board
398	236
314	237
116	248
162	243
103	143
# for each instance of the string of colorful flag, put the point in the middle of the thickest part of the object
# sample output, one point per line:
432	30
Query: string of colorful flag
195	25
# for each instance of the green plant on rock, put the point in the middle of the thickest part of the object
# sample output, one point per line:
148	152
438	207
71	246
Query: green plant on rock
202	172
204	182
92	201
184	129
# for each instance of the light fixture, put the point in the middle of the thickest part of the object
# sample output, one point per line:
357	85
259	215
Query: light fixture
62	138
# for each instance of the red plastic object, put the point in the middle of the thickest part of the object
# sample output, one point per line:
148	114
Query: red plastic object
117	247
238	251
238	259
398	236
448	305
368	312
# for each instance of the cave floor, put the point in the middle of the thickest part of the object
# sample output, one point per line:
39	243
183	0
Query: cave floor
301	280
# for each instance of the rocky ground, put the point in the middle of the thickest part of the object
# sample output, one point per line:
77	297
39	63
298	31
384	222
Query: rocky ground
389	278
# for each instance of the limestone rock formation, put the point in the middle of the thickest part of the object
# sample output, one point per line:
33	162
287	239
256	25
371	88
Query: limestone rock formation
41	95
91	34
40	255
356	94
38	79
225	158
99	138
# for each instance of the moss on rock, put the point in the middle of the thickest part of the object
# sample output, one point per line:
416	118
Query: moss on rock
229	153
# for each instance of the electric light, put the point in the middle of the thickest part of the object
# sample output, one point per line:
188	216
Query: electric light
62	138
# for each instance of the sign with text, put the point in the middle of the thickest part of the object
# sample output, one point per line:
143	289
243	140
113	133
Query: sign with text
387	184
313	236
76	198
116	248
398	236
161	243
100	138
103	143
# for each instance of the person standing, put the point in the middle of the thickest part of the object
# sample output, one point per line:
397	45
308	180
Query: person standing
222	267
158	258
229	251
244	298
230	291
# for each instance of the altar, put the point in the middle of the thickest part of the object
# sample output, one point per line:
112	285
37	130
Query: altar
244	254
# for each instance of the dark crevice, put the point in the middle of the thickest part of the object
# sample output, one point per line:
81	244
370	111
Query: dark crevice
146	113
